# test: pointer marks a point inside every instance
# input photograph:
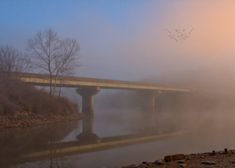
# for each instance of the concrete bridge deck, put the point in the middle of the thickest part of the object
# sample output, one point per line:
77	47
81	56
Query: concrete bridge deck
69	81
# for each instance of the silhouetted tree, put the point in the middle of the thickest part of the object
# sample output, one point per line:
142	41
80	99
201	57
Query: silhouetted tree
12	60
53	55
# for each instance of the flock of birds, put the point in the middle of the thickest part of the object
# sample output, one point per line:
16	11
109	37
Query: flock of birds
179	35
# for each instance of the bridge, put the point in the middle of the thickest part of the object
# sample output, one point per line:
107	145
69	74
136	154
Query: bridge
71	81
88	87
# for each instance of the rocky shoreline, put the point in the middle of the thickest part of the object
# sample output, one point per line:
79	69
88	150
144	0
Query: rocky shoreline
34	120
215	159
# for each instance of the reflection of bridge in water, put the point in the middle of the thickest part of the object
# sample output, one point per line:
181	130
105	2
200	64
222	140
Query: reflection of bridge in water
45	143
76	147
88	87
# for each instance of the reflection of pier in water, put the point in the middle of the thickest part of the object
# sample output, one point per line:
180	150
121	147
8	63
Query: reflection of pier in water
76	147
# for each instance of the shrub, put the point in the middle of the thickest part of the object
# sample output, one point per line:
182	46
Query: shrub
18	97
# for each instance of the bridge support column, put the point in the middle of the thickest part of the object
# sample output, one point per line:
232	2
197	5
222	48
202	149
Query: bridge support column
153	101
87	135
87	94
150	101
151	109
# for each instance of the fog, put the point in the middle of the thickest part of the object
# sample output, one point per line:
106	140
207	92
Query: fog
140	49
138	41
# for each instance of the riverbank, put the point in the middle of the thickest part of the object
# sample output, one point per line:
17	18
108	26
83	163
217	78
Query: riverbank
215	159
22	105
35	120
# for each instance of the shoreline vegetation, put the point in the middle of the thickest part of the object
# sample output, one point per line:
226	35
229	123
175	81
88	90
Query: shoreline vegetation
22	105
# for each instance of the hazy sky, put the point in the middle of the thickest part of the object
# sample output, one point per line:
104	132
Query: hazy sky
128	39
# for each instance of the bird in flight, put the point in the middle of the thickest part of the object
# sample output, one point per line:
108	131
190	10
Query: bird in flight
179	35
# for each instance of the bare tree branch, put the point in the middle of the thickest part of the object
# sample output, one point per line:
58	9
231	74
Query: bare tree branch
54	55
12	60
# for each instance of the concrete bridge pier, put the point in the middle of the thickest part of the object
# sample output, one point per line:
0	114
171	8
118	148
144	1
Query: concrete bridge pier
150	101
151	109
156	104
153	101
87	94
87	135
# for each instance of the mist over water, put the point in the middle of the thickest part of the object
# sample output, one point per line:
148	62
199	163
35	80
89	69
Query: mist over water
137	41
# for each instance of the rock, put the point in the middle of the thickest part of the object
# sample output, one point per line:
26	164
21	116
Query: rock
208	162
158	162
1	109
202	157
143	166
233	162
213	153
181	161
183	165
221	152
175	157
225	151
147	163
188	157
130	166
168	158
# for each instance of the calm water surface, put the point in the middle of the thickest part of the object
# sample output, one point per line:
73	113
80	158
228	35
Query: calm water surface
110	123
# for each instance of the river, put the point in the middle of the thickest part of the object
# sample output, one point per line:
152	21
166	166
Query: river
109	125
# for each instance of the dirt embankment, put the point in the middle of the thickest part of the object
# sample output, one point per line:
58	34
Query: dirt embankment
24	105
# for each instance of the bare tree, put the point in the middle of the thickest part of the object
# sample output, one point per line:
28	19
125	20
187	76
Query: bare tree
12	60
53	55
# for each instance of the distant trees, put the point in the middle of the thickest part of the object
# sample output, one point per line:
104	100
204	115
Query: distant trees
54	55
12	60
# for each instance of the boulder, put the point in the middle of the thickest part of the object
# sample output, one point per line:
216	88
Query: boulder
175	157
